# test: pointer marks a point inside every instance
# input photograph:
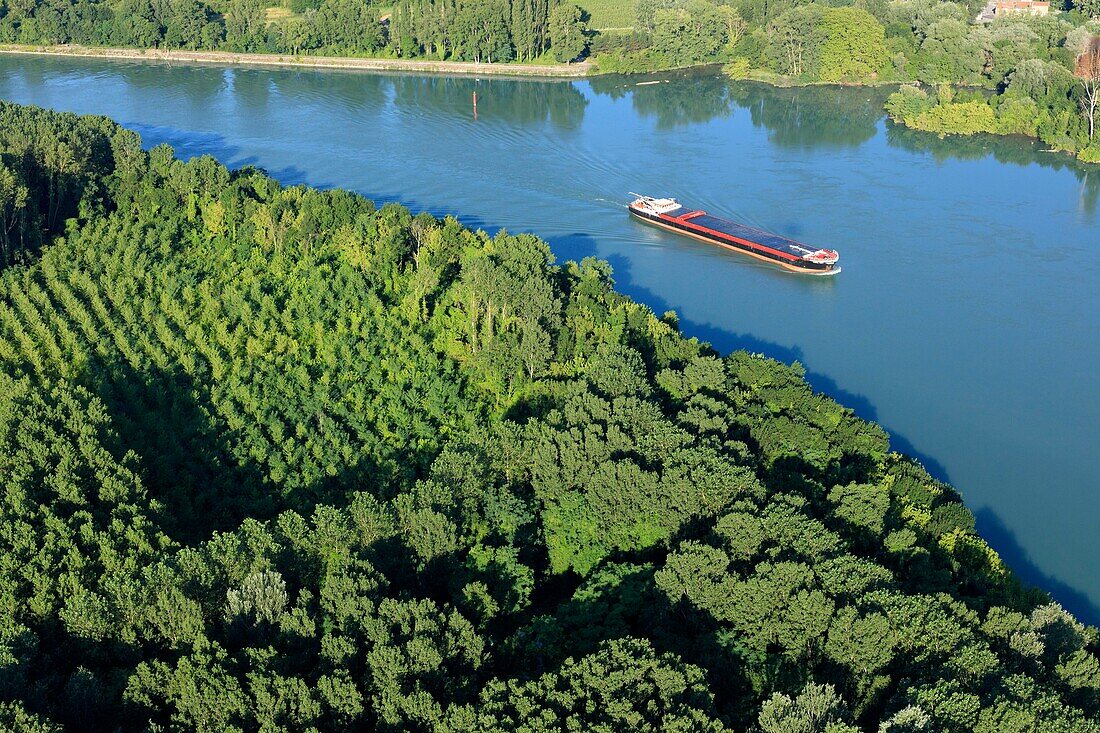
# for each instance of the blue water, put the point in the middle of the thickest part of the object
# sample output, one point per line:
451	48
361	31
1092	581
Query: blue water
965	319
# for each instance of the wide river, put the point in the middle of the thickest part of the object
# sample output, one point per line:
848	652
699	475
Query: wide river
966	320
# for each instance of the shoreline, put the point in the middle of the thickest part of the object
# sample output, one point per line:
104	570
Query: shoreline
229	58
361	63
545	72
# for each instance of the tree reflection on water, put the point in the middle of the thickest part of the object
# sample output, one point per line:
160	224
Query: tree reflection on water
823	117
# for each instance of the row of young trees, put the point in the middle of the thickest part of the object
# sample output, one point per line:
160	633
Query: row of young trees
477	31
275	459
471	30
330	26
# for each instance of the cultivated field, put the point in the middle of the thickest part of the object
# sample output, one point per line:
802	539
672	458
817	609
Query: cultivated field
609	14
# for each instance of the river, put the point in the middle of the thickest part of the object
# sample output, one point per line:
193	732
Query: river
965	320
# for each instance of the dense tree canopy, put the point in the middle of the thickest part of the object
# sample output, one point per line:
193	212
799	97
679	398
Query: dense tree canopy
461	30
567	32
274	459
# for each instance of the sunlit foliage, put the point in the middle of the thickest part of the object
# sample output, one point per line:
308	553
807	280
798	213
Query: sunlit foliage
275	459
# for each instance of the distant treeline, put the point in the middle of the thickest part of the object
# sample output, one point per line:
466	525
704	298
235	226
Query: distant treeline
1023	67
487	30
275	459
461	30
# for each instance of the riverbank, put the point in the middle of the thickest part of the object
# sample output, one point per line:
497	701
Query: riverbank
947	111
457	68
227	58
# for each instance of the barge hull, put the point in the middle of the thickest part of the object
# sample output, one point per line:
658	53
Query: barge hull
753	249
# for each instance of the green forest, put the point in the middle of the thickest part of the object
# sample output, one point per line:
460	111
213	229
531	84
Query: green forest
489	31
275	459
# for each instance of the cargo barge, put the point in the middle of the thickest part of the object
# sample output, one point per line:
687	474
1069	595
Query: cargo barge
668	213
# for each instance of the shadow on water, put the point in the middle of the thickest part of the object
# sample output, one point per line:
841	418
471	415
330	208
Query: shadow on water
578	245
189	144
995	532
803	117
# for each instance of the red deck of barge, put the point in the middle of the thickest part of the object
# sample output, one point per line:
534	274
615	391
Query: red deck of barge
786	252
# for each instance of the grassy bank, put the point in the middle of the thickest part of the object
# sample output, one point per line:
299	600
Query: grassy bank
550	71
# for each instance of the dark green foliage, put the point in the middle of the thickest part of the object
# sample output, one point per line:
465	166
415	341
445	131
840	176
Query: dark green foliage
17	720
51	171
1029	63
817	709
488	30
274	459
623	686
568	32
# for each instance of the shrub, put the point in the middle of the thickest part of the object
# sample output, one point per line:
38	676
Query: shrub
964	118
1018	116
908	103
737	69
1090	154
855	45
630	62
